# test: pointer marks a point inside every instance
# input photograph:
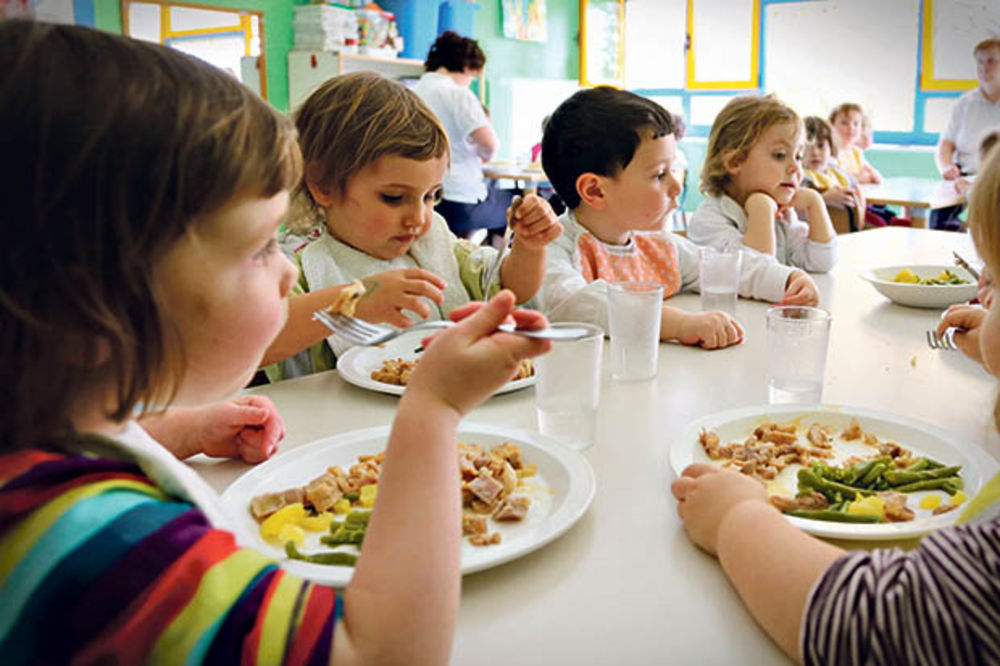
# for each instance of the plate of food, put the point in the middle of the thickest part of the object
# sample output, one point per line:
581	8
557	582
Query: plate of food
386	368
843	472
923	286
310	506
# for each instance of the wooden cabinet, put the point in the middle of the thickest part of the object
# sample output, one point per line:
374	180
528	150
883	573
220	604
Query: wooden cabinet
308	69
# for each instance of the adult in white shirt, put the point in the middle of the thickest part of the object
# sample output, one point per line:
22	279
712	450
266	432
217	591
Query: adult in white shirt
975	113
973	116
467	204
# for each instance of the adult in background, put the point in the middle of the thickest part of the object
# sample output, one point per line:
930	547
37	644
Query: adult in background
467	204
975	113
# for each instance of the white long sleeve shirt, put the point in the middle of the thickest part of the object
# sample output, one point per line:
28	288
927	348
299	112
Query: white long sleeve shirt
720	222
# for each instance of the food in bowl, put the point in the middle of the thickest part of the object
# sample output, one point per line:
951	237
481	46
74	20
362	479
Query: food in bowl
906	276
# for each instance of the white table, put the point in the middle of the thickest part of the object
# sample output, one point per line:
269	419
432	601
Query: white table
917	196
625	585
526	178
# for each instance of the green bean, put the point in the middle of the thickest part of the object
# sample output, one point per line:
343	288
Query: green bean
902	477
358	517
352	496
833	516
343	537
875	474
951	485
809	479
335	558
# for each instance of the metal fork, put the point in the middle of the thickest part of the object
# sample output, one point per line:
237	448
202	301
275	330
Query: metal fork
491	273
944	342
360	332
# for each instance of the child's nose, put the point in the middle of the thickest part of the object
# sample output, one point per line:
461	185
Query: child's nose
673	185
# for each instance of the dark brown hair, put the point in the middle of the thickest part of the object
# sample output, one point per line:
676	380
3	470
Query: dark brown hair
819	130
351	121
121	147
455	53
846	107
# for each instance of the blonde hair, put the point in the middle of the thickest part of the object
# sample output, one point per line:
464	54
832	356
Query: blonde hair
984	224
351	121
734	133
845	108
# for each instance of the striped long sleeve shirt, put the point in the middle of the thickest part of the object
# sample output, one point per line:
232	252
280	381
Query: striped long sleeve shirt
99	565
935	605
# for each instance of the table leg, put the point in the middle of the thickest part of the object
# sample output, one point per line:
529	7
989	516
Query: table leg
918	216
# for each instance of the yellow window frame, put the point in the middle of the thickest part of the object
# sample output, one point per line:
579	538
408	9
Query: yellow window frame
927	79
585	76
752	82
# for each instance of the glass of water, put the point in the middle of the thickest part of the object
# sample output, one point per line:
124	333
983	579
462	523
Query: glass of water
634	312
719	279
568	387
797	340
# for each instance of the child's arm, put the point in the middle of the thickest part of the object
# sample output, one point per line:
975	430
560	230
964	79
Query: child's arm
247	427
761	212
710	330
402	602
726	514
386	296
535	226
811	203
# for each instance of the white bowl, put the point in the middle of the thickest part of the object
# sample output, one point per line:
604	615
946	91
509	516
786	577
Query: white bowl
922	295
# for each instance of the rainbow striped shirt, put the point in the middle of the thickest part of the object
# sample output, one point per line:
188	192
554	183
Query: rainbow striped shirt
99	564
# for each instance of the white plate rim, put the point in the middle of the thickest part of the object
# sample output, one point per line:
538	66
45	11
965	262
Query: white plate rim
350	370
974	456
582	488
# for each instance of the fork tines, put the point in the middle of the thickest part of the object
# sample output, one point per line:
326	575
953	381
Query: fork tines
945	342
351	329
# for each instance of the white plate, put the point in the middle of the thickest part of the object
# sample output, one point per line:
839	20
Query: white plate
922	295
560	493
736	424
357	363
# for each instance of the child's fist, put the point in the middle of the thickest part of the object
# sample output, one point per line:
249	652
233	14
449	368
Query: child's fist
800	290
760	204
710	330
534	222
706	493
388	294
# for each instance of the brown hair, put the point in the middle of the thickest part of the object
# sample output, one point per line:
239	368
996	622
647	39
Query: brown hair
986	44
351	121
124	146
736	129
984	224
987	142
818	130
846	107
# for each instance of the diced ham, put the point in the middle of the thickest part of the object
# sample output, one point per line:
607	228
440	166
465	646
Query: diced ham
322	492
473	524
485	540
264	505
486	488
513	508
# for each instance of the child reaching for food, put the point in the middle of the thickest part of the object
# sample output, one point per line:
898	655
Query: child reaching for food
936	604
375	156
751	178
609	155
155	279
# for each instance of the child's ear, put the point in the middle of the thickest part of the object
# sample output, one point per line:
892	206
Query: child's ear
732	163
320	192
591	190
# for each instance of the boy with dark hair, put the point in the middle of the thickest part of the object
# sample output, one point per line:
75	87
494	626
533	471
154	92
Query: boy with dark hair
608	154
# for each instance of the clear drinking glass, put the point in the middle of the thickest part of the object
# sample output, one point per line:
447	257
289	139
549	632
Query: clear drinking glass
719	279
797	341
568	387
634	311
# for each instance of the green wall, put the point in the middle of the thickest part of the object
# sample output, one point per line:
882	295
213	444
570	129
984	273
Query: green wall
277	35
557	58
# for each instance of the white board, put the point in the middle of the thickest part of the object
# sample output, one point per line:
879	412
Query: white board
722	40
956	27
819	54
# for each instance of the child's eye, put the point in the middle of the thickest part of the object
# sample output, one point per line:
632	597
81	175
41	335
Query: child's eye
392	199
270	248
660	175
434	197
780	155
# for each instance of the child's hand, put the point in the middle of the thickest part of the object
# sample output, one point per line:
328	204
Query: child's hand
838	197
985	292
247	427
710	330
800	290
388	294
535	223
706	493
463	365
968	319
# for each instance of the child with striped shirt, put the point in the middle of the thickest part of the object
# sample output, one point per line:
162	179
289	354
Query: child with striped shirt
936	604
154	185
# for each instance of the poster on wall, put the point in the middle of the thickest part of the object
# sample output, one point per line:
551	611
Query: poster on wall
524	20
